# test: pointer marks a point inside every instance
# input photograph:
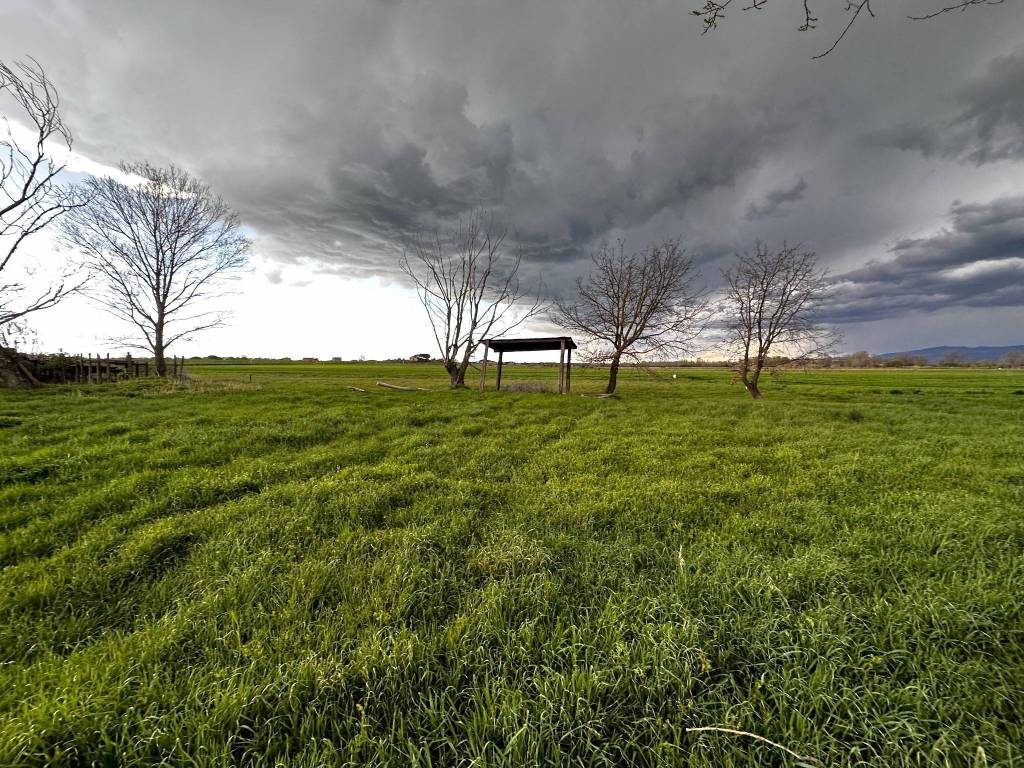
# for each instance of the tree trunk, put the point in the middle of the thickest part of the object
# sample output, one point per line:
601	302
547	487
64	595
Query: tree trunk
613	376
456	374
461	374
750	382
159	360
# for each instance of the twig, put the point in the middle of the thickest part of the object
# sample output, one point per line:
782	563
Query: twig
961	6
357	389
603	394
850	6
734	732
808	19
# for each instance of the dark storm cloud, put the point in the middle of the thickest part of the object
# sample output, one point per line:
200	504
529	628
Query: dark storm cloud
770	204
977	261
379	191
339	129
988	125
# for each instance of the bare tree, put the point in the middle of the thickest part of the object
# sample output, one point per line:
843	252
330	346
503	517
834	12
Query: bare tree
32	192
636	305
467	279
771	303
713	11
162	244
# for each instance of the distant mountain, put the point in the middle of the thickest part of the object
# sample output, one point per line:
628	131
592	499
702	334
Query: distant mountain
971	354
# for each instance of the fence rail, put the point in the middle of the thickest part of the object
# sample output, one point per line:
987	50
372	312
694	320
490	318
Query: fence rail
95	369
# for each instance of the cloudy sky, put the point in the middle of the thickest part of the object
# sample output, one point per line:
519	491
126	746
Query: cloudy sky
336	129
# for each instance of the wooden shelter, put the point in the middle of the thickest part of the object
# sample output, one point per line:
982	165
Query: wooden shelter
564	344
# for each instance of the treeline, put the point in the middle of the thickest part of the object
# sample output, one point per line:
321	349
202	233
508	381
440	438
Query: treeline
951	359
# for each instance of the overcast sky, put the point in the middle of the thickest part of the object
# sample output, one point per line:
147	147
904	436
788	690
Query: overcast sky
337	128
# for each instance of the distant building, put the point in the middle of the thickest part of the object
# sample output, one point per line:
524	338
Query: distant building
311	359
337	360
423	357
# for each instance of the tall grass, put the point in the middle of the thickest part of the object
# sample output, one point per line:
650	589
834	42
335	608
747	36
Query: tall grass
285	571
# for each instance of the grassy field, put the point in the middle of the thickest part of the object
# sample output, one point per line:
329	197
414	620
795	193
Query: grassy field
269	568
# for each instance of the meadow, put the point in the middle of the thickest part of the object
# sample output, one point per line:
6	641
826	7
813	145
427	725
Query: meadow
265	567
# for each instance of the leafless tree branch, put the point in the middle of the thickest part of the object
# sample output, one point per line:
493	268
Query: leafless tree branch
961	7
713	12
856	7
32	196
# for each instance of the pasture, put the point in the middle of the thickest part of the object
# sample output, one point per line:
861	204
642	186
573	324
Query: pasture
269	568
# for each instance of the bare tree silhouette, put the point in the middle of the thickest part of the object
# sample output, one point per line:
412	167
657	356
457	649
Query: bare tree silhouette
161	245
636	304
467	279
772	299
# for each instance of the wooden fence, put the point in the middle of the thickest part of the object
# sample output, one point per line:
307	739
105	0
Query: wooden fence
95	369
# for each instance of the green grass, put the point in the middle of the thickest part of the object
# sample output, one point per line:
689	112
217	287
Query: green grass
269	568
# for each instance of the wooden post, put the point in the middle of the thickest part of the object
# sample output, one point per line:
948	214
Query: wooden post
501	354
63	370
483	370
568	371
110	376
561	366
128	365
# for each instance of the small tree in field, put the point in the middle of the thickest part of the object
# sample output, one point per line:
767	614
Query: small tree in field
636	305
467	279
772	299
32	195
161	243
